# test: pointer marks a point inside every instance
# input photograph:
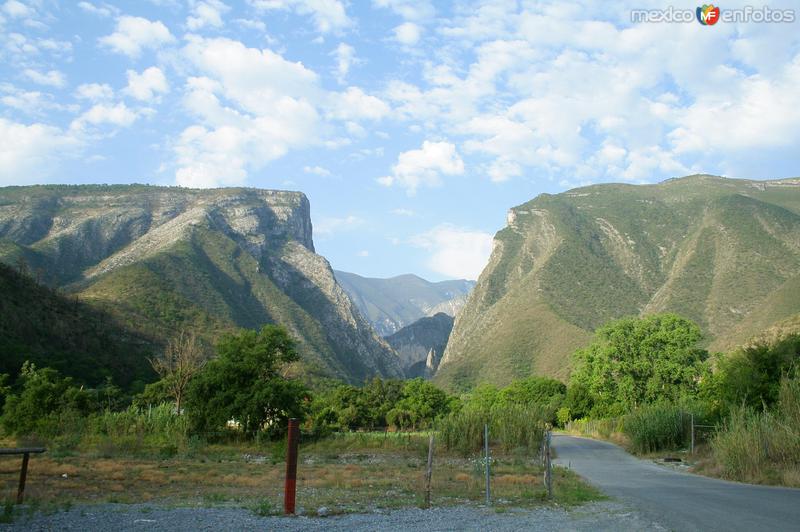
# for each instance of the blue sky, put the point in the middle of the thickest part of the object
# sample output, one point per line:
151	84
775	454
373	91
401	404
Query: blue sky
412	126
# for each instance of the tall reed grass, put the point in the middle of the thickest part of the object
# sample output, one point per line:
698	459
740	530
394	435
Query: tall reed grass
762	446
510	426
656	427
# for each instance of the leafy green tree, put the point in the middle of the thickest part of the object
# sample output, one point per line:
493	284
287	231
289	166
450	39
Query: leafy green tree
44	394
533	390
635	361
751	376
4	388
482	398
379	397
578	401
244	384
401	418
423	401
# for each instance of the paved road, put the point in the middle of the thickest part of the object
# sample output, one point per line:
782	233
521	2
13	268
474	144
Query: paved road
677	500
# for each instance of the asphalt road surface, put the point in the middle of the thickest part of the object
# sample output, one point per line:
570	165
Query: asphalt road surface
677	500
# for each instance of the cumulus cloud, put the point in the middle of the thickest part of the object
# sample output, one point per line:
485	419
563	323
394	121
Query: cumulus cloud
317	170
251	105
101	10
30	152
207	13
329	225
148	85
94	92
134	34
52	78
345	57
407	33
409	9
355	104
101	114
328	15
455	252
424	167
15	9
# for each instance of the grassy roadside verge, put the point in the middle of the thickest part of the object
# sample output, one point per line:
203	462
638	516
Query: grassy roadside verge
357	472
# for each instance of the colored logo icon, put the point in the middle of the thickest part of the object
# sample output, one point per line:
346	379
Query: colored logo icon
707	14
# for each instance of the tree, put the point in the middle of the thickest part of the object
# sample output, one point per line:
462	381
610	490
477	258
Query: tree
533	390
634	361
752	375
423	402
244	384
43	395
183	358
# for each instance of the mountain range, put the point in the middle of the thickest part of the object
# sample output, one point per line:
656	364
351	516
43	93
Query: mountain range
722	252
161	259
421	345
393	303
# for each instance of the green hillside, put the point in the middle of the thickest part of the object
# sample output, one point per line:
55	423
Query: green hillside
40	325
722	252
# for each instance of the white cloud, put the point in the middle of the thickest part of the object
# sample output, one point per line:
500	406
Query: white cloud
329	15
101	11
409	9
105	114
134	34
31	102
345	57
147	85
94	92
317	170
207	13
354	104
456	252
423	167
52	78
15	9
408	33
404	212
251	105
330	225
363	253
29	153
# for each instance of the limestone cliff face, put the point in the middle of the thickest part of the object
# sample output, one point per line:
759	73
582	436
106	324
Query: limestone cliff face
236	257
420	345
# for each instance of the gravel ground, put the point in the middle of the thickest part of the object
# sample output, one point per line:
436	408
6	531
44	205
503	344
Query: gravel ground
119	518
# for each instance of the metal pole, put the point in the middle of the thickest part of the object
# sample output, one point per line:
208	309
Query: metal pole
23	474
692	433
486	455
548	471
429	473
290	486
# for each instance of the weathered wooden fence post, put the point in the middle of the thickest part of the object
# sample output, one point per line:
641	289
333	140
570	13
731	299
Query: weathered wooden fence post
548	466
290	485
486	456
429	473
692	433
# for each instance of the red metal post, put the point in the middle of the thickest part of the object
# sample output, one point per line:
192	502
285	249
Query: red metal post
290	486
